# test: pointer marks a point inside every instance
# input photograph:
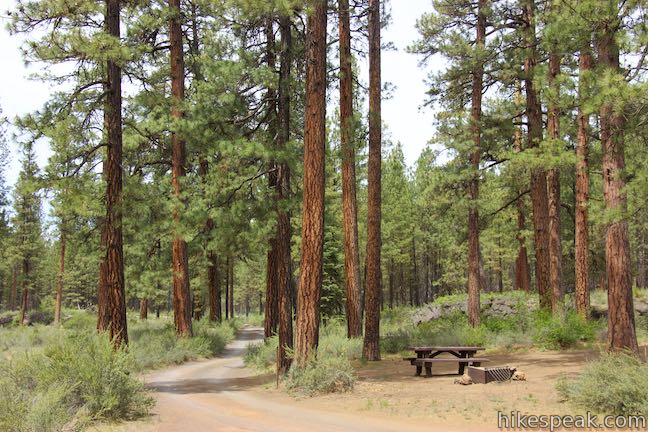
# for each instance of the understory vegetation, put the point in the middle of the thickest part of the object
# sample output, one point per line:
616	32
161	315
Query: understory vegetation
613	384
67	376
524	328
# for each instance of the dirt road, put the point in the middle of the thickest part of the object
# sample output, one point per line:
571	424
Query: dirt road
218	395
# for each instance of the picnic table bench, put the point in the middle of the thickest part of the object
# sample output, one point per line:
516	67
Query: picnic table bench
427	356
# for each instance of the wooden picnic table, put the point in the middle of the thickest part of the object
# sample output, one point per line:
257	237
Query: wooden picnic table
426	355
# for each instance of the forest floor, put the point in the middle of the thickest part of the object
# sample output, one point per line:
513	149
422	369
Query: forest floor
223	395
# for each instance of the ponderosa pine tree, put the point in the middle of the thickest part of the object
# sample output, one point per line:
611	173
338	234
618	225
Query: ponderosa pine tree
522	273
181	291
310	269
553	174
27	225
114	185
539	197
371	345
350	207
474	279
582	187
284	229
621	324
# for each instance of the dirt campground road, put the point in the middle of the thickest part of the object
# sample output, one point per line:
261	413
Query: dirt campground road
222	395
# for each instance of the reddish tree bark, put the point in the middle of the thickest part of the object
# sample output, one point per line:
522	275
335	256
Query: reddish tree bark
349	202
310	278
227	291
553	191
114	242
143	309
371	345
539	197
13	294
180	261
621	324
231	287
272	298
61	275
582	193
474	280
214	282
284	229
522	273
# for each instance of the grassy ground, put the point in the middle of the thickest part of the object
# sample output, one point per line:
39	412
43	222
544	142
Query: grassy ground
68	376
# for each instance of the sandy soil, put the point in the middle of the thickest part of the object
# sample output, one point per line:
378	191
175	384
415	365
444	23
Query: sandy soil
222	395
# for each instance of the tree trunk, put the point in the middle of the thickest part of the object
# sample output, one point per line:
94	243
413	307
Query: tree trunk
24	304
371	346
538	175
143	309
231	287
61	275
180	260
391	284
349	203
114	242
214	282
621	324
102	285
415	276
284	229
272	300
227	291
582	192
310	281
522	274
642	262
13	294
474	281
553	190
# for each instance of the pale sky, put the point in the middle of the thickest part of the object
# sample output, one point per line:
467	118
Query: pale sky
406	122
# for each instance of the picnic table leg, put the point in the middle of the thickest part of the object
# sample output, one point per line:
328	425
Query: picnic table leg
428	370
419	369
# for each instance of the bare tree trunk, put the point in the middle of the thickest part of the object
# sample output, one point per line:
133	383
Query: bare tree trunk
415	276
582	193
180	260
143	310
231	287
522	273
539	197
553	191
284	229
310	282
371	346
474	280
214	282
24	304
61	275
642	262
621	324
114	242
13	294
227	291
272	309
349	203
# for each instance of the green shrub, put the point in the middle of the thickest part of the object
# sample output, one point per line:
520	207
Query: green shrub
321	375
262	355
555	333
154	343
78	376
614	384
